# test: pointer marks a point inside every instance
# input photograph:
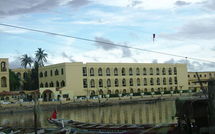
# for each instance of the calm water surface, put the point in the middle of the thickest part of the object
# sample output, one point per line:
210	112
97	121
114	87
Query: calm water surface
160	112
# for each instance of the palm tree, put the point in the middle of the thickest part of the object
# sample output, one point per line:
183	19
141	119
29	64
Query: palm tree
41	56
26	60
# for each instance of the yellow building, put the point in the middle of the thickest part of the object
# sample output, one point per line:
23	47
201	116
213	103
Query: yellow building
4	75
204	76
68	80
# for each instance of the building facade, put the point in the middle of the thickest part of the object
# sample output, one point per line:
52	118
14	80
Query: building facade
4	75
203	76
68	80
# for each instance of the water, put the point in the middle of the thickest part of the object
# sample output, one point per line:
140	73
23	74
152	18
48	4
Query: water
160	112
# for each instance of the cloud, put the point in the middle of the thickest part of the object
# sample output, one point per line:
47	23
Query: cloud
194	65
126	52
199	29
70	58
16	7
210	4
78	3
15	63
105	46
181	3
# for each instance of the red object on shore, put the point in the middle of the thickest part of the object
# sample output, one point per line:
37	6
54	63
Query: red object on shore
54	115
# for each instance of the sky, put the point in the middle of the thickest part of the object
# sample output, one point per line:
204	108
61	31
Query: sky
185	28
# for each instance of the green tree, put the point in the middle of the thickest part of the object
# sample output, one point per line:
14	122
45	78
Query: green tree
34	77
41	56
26	60
14	81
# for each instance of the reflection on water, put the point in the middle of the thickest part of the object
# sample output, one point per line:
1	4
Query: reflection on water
160	112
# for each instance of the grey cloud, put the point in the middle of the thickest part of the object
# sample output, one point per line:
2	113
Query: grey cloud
181	3
194	65
16	7
202	29
68	57
105	46
78	3
210	4
135	3
126	52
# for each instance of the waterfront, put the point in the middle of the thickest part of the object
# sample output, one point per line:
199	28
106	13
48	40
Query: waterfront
156	113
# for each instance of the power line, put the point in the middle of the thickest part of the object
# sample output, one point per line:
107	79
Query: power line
107	43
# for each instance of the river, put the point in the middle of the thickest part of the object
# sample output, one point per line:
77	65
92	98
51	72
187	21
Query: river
156	113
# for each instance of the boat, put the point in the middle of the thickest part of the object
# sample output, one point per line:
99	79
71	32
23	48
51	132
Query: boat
98	128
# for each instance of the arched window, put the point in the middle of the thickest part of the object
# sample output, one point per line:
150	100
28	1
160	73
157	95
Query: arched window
175	70
41	85
100	83
151	81
144	71
151	71
145	81
46	85
123	82
137	71
157	71
62	72
56	72
116	82
138	90
108	83
170	80
101	92
93	93
123	71
130	71
51	84
3	82
3	66
145	90
92	83
41	74
152	90
51	73
117	92
115	72
158	81
175	80
62	83
131	82
131	90
138	81
45	74
164	71
91	72
100	71
57	84
164	81
108	71
124	91
170	71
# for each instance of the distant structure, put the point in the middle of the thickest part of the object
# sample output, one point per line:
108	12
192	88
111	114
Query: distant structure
204	76
68	80
4	75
